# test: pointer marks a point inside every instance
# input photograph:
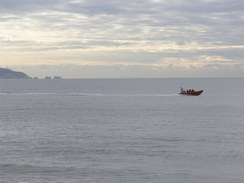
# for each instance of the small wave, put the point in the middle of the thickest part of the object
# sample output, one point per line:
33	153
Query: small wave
90	94
26	93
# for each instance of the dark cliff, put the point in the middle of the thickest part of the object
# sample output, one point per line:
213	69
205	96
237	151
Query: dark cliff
9	74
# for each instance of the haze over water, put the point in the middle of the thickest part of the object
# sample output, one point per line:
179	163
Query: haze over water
121	130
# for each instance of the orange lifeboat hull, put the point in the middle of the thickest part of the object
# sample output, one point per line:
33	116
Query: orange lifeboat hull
192	93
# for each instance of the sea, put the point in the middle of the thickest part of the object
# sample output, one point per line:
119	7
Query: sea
121	131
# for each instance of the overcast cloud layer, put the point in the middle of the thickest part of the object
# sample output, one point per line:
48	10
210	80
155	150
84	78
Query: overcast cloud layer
129	38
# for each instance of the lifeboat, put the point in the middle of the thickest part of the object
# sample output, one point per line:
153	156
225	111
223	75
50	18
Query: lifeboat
190	92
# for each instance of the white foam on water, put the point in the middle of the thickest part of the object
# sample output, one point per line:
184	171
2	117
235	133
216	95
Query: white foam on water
92	94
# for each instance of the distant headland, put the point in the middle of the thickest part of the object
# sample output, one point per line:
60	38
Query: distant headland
10	74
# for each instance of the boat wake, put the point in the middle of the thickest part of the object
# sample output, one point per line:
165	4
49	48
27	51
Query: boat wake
88	94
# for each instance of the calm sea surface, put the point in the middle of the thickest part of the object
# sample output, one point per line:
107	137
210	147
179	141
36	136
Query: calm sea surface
121	131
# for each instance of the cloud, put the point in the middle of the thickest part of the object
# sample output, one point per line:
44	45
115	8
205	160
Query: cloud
130	71
130	32
26	6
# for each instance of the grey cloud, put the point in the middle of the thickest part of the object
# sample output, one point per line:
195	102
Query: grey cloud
152	14
127	71
83	7
114	23
26	6
94	7
213	7
125	7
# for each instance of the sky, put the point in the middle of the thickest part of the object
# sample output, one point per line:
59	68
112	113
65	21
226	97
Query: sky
123	38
